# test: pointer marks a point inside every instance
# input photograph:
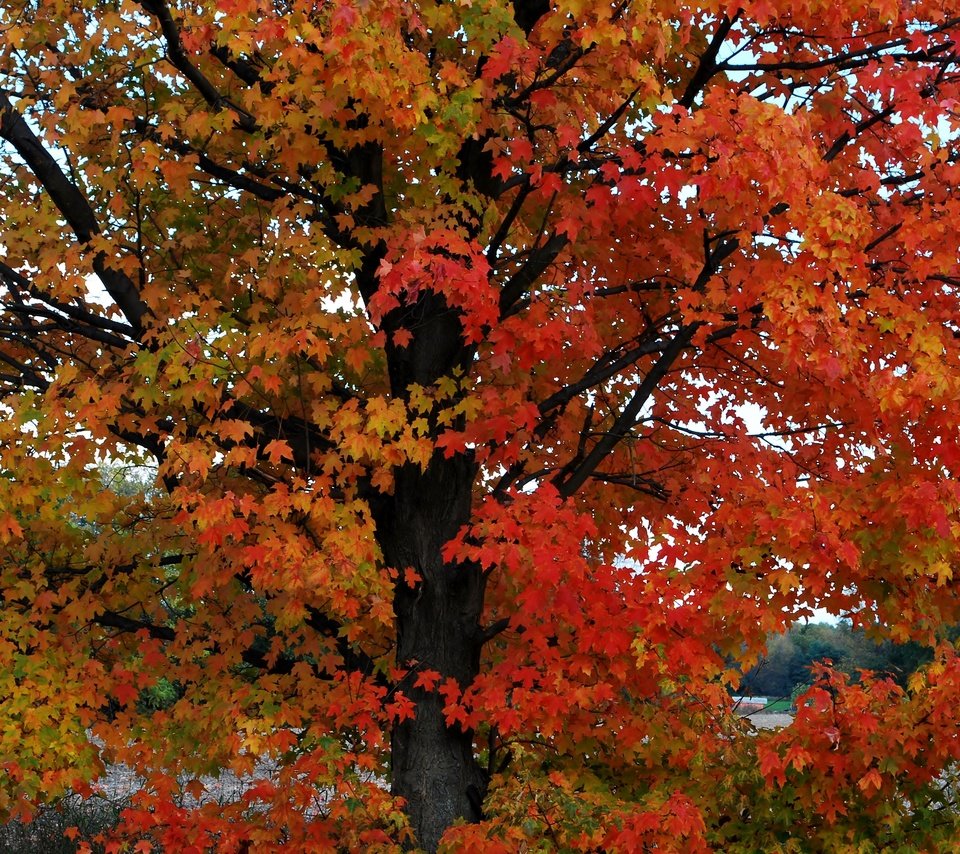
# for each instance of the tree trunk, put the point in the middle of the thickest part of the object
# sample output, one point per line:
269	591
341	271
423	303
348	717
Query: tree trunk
438	628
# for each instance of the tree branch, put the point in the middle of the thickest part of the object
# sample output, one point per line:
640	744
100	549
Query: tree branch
708	62
527	12
532	269
20	282
841	141
178	57
628	417
73	205
602	370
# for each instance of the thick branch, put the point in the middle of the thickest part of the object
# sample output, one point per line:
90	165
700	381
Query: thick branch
493	248
847	60
20	282
532	269
73	205
527	12
69	200
25	374
353	660
628	417
841	141
601	371
67	325
112	620
245	69
178	57
708	62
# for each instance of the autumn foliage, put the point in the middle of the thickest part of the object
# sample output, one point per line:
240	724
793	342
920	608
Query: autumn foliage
444	401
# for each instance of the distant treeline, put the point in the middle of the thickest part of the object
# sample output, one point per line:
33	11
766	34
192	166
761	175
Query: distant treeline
789	656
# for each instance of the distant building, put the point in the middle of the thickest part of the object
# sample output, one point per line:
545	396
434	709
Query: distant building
746	705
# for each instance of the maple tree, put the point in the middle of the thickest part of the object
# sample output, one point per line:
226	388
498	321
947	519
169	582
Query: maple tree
505	373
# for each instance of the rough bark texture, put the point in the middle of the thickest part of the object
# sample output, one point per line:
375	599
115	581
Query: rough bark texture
438	628
437	620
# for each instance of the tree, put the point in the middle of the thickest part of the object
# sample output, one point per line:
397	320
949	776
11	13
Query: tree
787	662
774	676
506	368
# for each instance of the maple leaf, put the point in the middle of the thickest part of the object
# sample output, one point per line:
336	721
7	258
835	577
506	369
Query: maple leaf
771	766
427	679
402	337
235	431
450	690
125	693
501	58
871	779
277	450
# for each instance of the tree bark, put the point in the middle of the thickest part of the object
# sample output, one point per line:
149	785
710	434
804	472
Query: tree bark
438	628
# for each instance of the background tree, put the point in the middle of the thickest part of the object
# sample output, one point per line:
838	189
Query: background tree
426	314
791	657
